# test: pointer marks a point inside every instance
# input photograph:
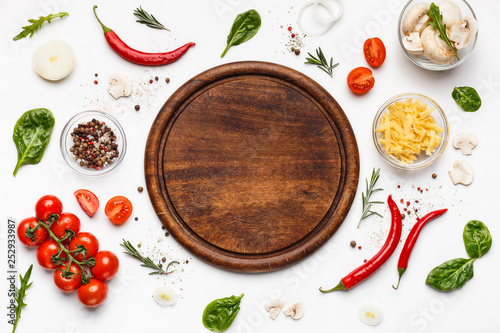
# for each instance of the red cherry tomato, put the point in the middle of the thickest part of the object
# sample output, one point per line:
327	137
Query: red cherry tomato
66	221
93	293
374	51
106	265
118	209
45	252
40	234
86	239
46	206
71	282
360	80
88	201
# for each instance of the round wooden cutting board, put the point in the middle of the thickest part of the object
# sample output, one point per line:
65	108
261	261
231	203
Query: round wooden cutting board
251	166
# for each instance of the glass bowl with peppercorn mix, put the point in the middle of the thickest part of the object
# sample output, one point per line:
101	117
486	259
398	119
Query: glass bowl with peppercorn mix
93	143
410	131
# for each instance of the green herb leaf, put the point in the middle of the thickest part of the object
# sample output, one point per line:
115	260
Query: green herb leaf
32	135
451	275
147	262
321	62
220	314
467	98
477	239
245	26
148	19
37	25
367	204
437	23
19	294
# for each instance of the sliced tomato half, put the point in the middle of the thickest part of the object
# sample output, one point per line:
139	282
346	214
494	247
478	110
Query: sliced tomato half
374	50
360	80
88	201
118	209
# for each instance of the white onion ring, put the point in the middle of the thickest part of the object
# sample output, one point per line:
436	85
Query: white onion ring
329	22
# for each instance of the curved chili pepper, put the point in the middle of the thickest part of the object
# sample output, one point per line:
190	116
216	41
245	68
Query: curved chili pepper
139	57
371	266
412	239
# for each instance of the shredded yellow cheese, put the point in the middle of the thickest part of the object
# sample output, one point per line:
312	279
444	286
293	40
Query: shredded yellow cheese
408	129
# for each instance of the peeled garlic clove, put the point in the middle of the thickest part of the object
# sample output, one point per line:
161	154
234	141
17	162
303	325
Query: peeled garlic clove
54	60
370	313
165	295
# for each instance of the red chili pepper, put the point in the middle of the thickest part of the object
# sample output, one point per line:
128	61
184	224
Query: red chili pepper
139	57
412	239
371	266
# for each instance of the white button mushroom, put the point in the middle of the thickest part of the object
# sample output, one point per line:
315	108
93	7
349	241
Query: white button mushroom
415	18
462	34
413	44
461	173
436	49
119	86
274	306
465	141
370	313
296	311
451	13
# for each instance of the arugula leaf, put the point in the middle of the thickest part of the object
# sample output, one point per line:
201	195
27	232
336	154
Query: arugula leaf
37	25
19	295
437	23
245	26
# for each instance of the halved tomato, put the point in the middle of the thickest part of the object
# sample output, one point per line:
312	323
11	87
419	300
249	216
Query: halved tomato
118	209
88	201
360	80
374	51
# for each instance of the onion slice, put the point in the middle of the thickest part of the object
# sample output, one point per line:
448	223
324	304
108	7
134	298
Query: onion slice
165	295
334	16
370	313
54	60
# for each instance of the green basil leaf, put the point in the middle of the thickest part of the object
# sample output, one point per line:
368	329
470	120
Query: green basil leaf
219	314
477	239
32	135
451	275
467	98
245	26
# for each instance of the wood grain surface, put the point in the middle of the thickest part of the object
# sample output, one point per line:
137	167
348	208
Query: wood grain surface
251	166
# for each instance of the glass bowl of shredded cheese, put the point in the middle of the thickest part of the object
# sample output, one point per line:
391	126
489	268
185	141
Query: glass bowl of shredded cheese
410	131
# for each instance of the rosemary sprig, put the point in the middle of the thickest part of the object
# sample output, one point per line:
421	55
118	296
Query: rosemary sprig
36	25
437	23
367	204
20	293
148	19
321	62
147	262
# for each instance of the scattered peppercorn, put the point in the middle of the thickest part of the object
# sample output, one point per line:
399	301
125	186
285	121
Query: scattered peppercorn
137	107
167	234
403	216
163	259
187	261
151	81
353	244
156	78
96	75
163	227
365	260
434	176
359	247
297	51
137	219
289	28
140	189
139	245
96	82
167	80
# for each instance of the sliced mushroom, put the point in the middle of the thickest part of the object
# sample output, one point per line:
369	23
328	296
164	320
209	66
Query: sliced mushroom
462	34
435	49
296	311
274	306
462	173
413	44
119	86
451	13
465	141
415	18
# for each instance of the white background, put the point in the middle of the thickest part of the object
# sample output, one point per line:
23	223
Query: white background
413	308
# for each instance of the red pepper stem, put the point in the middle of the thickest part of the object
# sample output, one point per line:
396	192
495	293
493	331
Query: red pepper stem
340	286
104	28
401	271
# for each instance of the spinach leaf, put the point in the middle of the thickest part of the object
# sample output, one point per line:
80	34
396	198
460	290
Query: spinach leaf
32	135
219	314
245	26
477	239
467	98
451	275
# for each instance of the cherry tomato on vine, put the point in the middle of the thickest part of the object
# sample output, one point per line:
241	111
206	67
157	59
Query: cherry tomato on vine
86	239
40	235
106	265
45	252
360	80
68	283
118	209
88	201
46	206
374	51
66	221
93	293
